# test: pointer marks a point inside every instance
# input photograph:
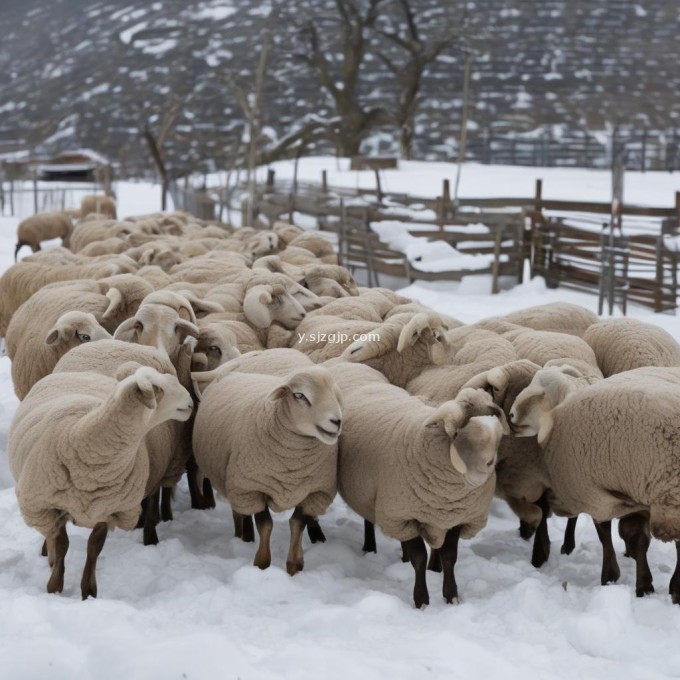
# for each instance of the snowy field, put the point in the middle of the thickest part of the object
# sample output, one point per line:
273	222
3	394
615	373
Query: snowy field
195	607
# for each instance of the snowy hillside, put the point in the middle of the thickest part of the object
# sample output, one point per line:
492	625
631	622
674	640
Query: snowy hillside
195	607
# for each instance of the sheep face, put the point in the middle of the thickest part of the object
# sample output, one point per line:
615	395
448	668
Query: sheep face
214	347
475	427
73	329
264	243
313	404
162	393
264	305
505	382
531	413
157	326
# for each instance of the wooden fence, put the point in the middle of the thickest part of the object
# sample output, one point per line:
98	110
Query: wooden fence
566	242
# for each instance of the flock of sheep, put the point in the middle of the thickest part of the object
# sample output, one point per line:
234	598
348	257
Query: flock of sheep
162	345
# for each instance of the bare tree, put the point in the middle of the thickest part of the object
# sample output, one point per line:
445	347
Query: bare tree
422	51
339	76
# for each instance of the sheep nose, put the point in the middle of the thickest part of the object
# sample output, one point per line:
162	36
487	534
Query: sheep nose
511	416
337	422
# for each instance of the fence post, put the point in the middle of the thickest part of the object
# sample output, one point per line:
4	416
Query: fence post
324	181
35	192
378	188
270	180
538	196
643	152
677	210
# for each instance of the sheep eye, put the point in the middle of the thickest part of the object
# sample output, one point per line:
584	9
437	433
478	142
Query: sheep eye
215	349
83	337
299	396
494	388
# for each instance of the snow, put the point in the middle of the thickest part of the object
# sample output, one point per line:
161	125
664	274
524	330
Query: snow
194	606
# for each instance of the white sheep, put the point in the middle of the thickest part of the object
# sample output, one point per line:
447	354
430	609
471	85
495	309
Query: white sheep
420	473
43	227
96	204
611	450
624	344
275	447
560	317
74	450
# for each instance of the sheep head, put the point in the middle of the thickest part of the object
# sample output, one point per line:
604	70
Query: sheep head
505	382
531	413
161	393
265	304
215	346
158	326
73	329
474	426
312	402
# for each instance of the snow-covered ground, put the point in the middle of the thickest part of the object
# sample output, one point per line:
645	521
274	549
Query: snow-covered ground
195	607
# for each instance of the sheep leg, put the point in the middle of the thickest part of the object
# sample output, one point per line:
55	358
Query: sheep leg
264	523
151	519
634	530
166	504
57	555
448	554
43	550
526	530
569	542
674	587
88	584
610	567
142	515
416	552
295	561
243	527
201	499
541	551
314	531
369	537
208	494
435	563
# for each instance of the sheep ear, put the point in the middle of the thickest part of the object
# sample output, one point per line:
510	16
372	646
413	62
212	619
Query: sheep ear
556	386
457	462
115	302
127	331
255	306
60	333
126	370
146	390
280	392
480	381
185	328
411	332
571	370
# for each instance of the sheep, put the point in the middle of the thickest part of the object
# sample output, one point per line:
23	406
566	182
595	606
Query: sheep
109	246
542	346
38	354
22	280
275	447
95	230
57	256
216	344
402	347
611	450
168	445
559	317
246	338
43	227
624	344
442	383
163	320
421	473
102	205
317	244
329	280
74	451
521	477
286	232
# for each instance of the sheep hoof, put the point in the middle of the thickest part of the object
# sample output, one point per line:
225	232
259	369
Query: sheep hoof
294	567
526	530
675	597
150	537
56	583
89	592
540	554
421	601
567	549
646	589
452	600
262	562
611	575
315	533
